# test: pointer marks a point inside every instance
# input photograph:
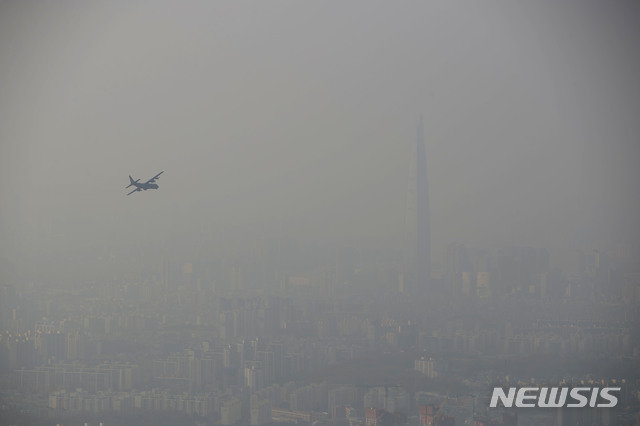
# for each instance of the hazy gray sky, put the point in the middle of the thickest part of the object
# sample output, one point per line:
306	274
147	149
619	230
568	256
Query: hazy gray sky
298	116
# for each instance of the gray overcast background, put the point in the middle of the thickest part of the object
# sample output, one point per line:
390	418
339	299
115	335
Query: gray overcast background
295	118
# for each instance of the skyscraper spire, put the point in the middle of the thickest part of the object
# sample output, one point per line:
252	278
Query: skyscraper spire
417	227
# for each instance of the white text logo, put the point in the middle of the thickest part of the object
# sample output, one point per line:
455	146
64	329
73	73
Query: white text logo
554	397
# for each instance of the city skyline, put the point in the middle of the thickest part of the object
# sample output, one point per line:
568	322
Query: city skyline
369	212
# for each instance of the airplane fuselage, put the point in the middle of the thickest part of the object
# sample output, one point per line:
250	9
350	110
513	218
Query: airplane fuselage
145	186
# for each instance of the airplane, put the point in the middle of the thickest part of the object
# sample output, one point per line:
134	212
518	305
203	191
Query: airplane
150	184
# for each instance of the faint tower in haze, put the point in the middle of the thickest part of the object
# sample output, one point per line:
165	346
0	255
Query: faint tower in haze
417	268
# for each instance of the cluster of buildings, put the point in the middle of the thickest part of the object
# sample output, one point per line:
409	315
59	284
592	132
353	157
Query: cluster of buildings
107	376
83	401
526	273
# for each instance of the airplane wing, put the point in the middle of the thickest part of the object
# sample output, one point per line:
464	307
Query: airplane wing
136	181
135	190
153	179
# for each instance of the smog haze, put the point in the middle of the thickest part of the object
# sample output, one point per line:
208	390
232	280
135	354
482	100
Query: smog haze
295	118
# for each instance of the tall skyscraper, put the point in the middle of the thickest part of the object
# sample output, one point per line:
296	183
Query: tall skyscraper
417	270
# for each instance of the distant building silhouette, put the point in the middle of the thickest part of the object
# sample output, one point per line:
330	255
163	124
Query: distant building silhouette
417	269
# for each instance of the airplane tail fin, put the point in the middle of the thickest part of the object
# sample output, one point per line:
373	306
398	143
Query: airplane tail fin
130	180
